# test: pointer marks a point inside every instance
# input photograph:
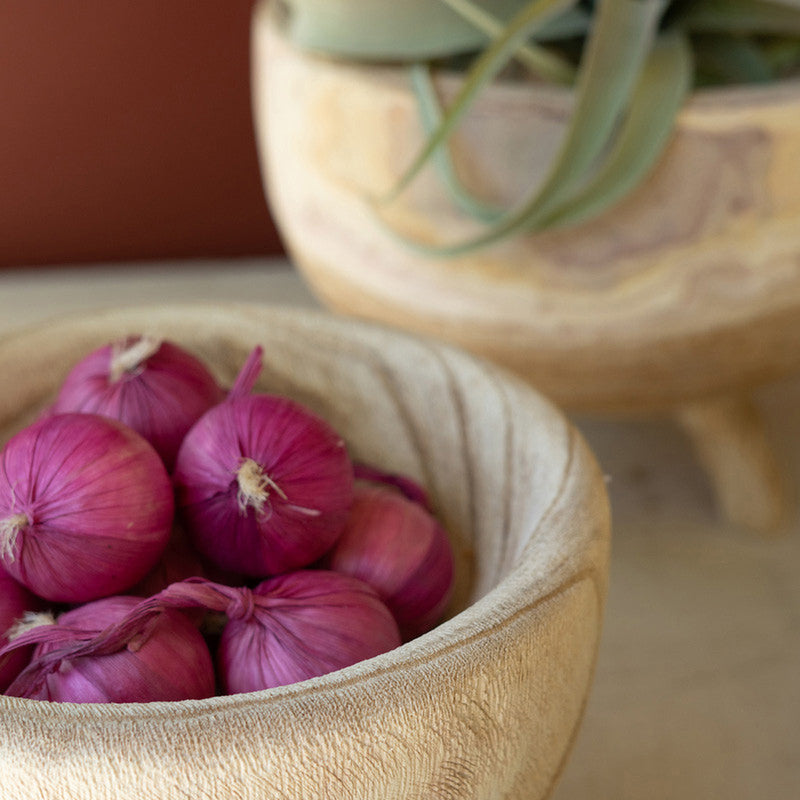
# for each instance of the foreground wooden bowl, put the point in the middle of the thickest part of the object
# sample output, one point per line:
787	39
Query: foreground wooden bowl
484	706
686	292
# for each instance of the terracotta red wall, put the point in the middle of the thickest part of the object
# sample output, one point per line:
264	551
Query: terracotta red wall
125	132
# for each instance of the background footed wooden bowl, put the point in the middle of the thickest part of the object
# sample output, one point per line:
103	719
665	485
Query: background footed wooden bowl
484	706
688	288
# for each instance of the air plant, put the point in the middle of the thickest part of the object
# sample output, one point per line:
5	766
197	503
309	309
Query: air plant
630	63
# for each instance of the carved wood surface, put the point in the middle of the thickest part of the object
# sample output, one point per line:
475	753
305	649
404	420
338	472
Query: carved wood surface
484	706
688	288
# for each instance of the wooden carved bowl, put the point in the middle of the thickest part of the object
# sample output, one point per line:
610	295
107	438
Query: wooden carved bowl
687	291
486	705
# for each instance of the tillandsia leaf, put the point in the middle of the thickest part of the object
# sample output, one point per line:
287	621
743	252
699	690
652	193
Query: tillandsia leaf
615	56
733	59
430	115
615	53
488	64
660	92
778	17
540	61
386	30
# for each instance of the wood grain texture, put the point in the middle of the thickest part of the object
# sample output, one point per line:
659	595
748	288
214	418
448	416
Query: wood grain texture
689	288
484	706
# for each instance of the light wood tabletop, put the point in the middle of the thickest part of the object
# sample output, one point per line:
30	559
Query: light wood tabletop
697	694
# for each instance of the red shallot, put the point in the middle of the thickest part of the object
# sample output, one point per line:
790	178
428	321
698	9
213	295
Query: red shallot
86	507
153	386
263	485
289	628
299	626
96	654
400	549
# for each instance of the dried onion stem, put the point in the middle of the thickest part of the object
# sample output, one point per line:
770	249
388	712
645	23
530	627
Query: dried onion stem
129	358
254	486
9	529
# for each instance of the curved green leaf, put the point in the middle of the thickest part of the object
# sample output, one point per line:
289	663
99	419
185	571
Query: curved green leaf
614	57
385	30
660	92
488	64
538	60
430	114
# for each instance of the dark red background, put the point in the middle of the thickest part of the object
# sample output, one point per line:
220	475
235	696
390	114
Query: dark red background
126	132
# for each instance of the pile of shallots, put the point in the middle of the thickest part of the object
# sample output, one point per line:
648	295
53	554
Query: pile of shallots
163	539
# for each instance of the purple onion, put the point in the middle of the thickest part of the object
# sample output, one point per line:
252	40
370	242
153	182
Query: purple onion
399	549
153	386
86	507
263	485
15	601
289	628
299	626
97	653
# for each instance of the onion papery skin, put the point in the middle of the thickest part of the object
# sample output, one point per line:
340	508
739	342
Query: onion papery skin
167	659
309	493
299	626
160	398
95	504
15	600
400	549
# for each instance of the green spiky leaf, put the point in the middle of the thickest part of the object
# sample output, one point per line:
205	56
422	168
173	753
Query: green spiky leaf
386	30
540	61
660	92
431	117
615	54
487	66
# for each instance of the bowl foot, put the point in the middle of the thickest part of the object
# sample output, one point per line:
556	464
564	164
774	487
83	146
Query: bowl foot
730	439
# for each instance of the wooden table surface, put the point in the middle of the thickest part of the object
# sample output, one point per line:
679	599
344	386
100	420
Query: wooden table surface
697	692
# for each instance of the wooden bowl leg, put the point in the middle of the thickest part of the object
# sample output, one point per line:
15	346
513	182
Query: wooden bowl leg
730	439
